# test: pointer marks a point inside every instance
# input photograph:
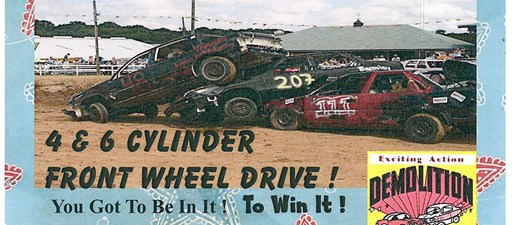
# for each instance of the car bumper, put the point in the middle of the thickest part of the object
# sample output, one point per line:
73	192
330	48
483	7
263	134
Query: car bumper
198	104
75	113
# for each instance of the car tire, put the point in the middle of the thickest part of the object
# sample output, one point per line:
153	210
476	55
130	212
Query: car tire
455	219
217	69
424	128
240	109
436	78
285	119
151	111
98	113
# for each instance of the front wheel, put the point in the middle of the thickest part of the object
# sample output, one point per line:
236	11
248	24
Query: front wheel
98	113
285	119
424	128
240	109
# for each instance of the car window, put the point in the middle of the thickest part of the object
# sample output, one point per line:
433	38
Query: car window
411	64
433	210
173	49
422	65
327	62
136	63
294	65
389	83
344	86
447	209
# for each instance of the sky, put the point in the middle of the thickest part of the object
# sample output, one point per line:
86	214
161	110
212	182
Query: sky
281	14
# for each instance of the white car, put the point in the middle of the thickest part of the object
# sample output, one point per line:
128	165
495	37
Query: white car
441	214
432	68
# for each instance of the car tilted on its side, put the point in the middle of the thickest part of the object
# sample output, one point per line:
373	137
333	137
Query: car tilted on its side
425	110
165	72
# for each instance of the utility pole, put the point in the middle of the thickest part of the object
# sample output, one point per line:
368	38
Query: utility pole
192	17
95	15
183	27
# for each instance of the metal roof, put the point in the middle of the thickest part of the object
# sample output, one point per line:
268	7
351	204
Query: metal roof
59	46
380	37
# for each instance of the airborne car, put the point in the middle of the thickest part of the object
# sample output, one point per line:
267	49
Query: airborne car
165	72
425	110
293	76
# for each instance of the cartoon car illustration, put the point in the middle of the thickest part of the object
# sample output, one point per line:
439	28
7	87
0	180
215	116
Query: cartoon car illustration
398	218
163	73
293	76
441	214
398	99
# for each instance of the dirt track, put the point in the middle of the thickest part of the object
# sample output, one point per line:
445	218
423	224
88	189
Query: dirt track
346	149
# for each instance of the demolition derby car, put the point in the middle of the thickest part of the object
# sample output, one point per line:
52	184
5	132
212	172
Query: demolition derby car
293	76
382	99
163	73
441	214
398	218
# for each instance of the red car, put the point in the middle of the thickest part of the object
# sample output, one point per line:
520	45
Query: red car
381	99
398	219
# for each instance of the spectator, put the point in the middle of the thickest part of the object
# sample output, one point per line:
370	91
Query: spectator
113	61
381	58
91	60
50	61
66	57
396	58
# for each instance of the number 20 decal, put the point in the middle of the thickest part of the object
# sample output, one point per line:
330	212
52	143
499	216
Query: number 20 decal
294	81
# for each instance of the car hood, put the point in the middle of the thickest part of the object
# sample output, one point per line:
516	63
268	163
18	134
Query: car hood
102	88
459	70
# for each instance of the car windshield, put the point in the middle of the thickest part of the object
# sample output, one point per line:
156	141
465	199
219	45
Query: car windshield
136	63
433	210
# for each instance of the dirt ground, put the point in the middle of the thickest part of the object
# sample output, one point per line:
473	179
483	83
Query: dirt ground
312	147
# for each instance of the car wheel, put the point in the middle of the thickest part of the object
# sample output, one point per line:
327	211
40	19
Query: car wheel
285	119
455	219
217	69
240	109
436	78
424	128
151	111
98	113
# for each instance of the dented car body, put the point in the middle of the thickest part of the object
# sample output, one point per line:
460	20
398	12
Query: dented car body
289	77
165	72
426	111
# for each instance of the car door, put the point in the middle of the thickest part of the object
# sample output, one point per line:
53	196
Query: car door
337	104
145	84
384	90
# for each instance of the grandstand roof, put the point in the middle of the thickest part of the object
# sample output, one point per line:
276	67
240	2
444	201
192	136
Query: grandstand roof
378	37
59	46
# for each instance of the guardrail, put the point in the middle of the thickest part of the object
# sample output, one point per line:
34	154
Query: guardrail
73	69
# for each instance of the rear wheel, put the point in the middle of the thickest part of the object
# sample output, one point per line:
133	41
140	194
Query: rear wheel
98	113
436	78
455	219
285	119
217	69
424	128
240	109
